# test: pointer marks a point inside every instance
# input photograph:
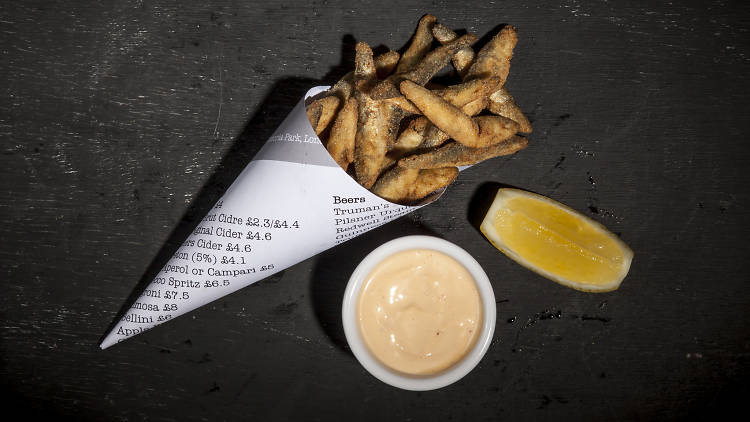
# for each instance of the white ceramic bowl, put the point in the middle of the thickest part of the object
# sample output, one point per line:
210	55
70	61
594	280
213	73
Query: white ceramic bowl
396	378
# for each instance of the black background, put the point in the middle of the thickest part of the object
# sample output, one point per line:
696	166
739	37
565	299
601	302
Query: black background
122	122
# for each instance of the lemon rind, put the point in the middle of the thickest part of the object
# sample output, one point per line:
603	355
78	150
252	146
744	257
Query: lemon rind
487	228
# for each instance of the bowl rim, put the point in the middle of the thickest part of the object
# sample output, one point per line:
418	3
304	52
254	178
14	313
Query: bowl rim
399	379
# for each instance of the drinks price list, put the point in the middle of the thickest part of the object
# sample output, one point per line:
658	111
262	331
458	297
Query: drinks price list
218	251
290	203
229	250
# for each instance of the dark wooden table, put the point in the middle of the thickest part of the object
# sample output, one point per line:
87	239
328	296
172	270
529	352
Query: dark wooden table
122	122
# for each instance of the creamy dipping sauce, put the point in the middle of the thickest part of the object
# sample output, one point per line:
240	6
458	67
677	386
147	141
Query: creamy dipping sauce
419	311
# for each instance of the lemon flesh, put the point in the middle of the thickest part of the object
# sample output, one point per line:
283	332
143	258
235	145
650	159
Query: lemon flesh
556	241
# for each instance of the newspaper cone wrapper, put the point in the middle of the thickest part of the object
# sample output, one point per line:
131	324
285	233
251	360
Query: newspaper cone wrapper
291	202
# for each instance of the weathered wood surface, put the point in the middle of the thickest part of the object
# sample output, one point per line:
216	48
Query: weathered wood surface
122	122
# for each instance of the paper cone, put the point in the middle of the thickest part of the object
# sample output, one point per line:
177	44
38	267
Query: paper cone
291	202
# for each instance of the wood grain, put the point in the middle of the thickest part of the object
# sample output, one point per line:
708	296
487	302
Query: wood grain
122	122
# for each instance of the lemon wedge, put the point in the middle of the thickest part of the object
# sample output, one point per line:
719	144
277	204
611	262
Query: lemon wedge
556	241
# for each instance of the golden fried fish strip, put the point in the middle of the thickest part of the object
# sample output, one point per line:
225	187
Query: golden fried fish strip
395	184
385	63
341	141
321	112
409	139
437	59
462	58
405	185
455	154
430	180
443	34
388	162
433	137
343	88
313	113
394	114
369	143
328	112
494	58
419	46
442	114
471	97
432	63
462	94
412	135
364	64
475	107
494	129
377	127
403	104
503	104
385	89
